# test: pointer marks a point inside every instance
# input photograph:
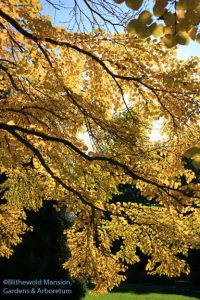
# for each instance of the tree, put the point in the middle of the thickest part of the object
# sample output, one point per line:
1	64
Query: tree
59	83
176	21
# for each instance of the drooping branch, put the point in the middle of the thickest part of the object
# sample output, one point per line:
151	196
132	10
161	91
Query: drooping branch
29	35
38	154
13	128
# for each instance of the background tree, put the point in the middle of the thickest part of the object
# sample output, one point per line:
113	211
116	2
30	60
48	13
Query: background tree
42	252
113	86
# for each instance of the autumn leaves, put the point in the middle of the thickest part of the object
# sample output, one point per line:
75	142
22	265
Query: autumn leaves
176	22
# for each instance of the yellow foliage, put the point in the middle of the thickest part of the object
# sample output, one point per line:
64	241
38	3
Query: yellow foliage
57	83
169	40
157	30
182	15
134	4
145	17
135	26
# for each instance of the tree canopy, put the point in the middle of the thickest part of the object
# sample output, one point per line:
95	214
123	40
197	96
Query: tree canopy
55	84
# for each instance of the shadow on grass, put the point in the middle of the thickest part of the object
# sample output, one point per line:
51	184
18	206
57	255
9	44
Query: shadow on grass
160	289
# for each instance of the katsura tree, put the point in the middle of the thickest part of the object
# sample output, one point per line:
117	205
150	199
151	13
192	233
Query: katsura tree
56	84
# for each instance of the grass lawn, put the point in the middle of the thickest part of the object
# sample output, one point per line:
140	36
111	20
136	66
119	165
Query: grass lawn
145	292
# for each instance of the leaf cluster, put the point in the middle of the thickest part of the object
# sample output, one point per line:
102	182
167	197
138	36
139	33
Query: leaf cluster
176	22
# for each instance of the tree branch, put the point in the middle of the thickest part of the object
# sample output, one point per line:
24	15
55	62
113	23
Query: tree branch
49	171
13	128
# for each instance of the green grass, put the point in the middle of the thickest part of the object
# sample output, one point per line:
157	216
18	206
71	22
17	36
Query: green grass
145	292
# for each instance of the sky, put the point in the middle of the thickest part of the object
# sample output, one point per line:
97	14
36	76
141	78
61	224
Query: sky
185	52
